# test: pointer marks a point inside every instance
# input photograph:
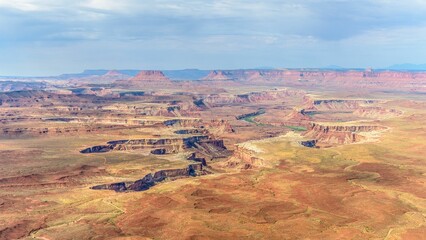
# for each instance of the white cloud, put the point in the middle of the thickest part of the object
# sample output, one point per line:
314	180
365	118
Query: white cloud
22	5
274	29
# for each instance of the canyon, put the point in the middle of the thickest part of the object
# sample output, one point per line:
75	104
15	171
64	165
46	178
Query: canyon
221	154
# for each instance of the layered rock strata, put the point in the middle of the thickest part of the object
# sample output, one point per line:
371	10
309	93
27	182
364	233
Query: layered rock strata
171	145
329	135
151	179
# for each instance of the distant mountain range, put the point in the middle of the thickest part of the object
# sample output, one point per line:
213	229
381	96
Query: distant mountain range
196	74
185	74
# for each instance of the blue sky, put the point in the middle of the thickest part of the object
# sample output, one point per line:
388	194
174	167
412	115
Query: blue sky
47	37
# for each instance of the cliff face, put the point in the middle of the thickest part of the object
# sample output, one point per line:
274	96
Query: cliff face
244	158
274	95
336	104
329	135
166	145
358	128
151	180
212	149
252	97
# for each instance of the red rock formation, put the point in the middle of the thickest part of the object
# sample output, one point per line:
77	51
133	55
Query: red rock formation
271	95
244	158
357	128
329	135
151	180
254	76
150	76
218	126
218	75
337	104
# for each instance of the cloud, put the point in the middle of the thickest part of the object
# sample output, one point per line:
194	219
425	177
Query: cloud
302	30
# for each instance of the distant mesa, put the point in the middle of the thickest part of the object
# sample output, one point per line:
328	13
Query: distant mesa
150	76
113	73
218	75
255	76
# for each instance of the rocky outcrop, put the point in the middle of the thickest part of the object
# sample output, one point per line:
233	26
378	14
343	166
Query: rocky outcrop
336	104
218	126
377	112
191	131
198	157
248	115
162	151
151	180
168	122
212	149
98	149
150	76
329	135
169	145
218	75
272	95
183	122
344	128
146	78
101	92
215	100
244	158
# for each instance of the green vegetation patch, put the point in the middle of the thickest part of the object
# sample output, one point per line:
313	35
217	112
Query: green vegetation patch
297	128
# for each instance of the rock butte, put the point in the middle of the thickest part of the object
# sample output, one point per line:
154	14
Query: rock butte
218	75
150	76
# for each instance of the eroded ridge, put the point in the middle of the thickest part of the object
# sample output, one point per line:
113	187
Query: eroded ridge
151	179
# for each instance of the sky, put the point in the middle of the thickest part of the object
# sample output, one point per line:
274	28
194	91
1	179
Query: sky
49	37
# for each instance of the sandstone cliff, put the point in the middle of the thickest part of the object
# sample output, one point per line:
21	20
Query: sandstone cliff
337	104
252	97
151	180
245	158
329	135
